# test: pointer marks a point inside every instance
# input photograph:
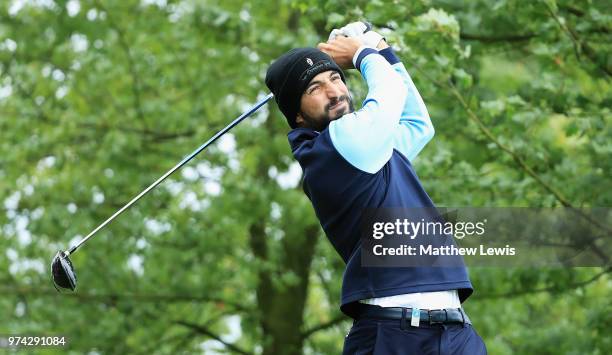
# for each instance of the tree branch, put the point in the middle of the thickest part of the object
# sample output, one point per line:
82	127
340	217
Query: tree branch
520	162
157	342
498	38
579	45
136	85
518	293
572	10
114	297
325	325
207	332
154	135
526	168
481	37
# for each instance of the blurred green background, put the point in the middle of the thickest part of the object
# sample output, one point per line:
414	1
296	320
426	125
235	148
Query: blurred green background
98	98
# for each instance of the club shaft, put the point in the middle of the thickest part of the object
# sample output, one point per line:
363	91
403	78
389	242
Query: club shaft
175	168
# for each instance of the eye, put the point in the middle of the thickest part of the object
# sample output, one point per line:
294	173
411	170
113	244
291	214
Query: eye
313	89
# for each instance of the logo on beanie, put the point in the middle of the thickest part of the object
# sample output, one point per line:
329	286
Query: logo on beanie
314	70
309	61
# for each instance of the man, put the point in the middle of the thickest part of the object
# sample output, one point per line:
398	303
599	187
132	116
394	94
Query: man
355	160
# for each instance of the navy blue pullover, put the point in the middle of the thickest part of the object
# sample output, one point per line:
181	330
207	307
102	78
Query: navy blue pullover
361	161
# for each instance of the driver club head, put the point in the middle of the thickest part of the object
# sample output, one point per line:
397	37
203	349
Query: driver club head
63	273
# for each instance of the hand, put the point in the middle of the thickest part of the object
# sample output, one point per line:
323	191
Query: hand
342	50
363	31
356	29
374	40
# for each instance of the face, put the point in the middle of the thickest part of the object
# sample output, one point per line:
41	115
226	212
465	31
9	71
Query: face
325	99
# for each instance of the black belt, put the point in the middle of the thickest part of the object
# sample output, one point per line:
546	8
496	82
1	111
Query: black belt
433	316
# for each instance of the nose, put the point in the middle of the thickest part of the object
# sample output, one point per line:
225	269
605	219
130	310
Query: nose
333	90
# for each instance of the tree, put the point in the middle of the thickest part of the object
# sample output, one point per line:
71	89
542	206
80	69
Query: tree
99	98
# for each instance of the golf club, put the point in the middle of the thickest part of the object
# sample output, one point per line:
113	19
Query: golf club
62	271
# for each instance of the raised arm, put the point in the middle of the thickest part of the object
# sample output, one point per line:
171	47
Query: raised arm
365	138
416	128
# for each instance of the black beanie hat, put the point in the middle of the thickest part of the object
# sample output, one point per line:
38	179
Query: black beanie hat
290	74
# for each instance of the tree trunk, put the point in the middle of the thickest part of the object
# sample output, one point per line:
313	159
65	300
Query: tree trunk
282	305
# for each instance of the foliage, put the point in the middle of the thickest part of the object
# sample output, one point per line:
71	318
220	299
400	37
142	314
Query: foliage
99	97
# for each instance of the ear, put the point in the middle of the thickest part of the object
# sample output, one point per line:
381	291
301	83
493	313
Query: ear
299	119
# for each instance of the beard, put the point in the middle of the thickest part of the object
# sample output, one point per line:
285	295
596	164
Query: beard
321	122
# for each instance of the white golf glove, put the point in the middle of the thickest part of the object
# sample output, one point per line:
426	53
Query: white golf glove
359	29
356	29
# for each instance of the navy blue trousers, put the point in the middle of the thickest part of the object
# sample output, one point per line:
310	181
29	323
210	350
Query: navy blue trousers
385	337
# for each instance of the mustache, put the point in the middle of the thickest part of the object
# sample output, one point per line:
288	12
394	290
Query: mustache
335	101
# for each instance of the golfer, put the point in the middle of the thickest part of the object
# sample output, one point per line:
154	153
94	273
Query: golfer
360	159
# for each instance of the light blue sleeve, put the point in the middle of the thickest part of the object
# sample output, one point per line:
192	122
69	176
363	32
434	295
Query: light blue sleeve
415	128
365	138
